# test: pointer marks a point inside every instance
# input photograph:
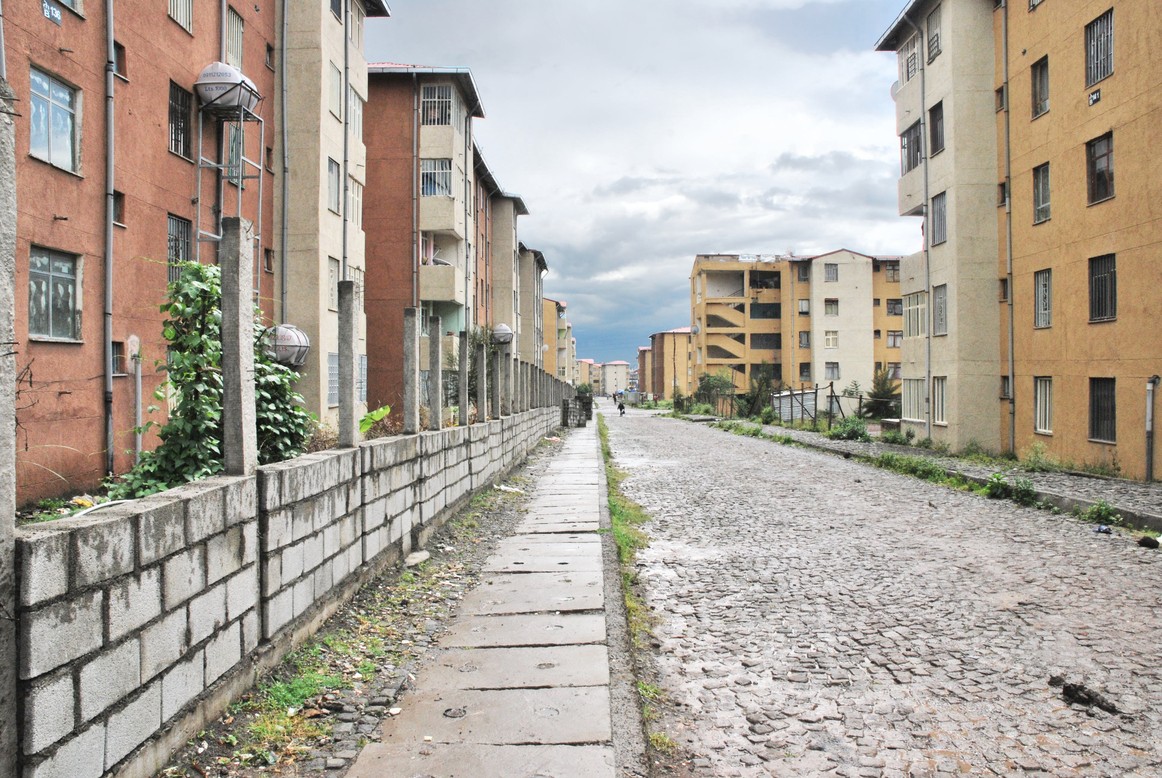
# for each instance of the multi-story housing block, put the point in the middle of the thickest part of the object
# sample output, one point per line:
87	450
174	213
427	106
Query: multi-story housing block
587	374
121	173
887	315
671	369
945	107
552	315
614	377
323	89
530	312
645	370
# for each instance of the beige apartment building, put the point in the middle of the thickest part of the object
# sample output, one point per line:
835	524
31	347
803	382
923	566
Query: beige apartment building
802	320
1049	92
645	367
671	370
945	119
614	377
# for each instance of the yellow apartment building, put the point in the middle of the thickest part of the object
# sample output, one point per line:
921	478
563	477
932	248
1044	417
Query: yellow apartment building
887	318
645	366
670	367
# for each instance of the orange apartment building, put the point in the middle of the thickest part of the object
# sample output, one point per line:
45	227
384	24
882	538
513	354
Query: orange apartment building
120	173
645	368
669	367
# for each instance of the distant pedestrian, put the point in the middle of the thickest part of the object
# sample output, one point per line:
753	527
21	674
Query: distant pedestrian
621	408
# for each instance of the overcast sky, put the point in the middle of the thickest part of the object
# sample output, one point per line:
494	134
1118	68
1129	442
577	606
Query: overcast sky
643	132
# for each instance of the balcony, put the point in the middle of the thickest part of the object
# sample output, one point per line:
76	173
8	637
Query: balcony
442	283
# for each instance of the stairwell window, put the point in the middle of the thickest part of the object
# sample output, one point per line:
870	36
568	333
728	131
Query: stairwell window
55	107
831	307
911	149
895	338
804	272
1043	405
355	203
1040	78
804	371
805	339
936	127
909	59
335	91
804	307
939	219
54	291
234	28
334	186
895	306
1099	163
934	34
180	121
1041	210
939	399
436	105
1103	288
940	309
1043	299
436	177
1099	48
355	113
1103	417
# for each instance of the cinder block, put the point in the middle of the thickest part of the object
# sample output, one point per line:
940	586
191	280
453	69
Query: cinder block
59	633
223	652
182	684
324	579
292	562
205	508
375	513
49	711
399	501
331	540
270	487
104	549
207	613
372	544
340	566
249	632
313	552
241	499
43	564
303	521
354	493
250	542
81	757
304	594
280	609
331	507
161	527
276	529
242	592
163	643
224	554
110	678
134	601
132	725
349	530
272	575
185	576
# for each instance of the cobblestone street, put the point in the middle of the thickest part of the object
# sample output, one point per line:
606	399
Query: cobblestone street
818	616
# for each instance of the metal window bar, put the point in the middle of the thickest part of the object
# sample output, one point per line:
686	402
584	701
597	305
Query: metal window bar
182	12
1043	281
179	230
436	105
234	28
1103	409
939	219
1103	288
1099	48
1041	210
911	148
940	310
436	177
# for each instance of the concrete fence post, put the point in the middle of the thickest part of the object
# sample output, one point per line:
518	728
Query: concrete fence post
507	406
462	363
435	374
9	692
482	374
239	430
348	424
494	387
411	371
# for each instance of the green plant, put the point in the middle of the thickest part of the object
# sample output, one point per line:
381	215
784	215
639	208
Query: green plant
703	409
1101	512
371	417
997	487
767	415
851	428
1022	491
895	437
921	467
1037	460
883	399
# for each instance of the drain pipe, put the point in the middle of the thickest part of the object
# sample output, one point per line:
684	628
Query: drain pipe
415	191
1151	385
1009	233
110	443
3	51
346	109
283	129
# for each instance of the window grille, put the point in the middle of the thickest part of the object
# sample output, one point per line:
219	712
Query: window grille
1099	48
179	230
361	388
1043	405
1041	211
436	104
939	219
234	27
1103	419
911	148
1103	288
934	33
1099	156
831	271
1043	302
180	121
182	12
940	310
436	177
909	59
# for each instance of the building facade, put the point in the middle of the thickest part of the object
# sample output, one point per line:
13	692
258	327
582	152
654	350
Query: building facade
671	368
645	369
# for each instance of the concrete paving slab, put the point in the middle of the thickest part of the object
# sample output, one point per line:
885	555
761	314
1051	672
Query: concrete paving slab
503	717
569	513
538	629
577	538
515	668
543	563
381	760
535	593
559	526
551	546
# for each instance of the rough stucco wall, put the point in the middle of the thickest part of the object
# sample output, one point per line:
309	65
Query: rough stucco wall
8	702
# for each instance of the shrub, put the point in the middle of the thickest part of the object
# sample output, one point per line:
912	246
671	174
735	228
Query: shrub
895	437
1100	512
1022	491
1036	460
767	415
997	487
921	467
851	428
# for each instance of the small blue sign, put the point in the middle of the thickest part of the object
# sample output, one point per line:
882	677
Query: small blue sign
52	11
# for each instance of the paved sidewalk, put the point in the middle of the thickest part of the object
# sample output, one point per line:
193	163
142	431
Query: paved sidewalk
522	686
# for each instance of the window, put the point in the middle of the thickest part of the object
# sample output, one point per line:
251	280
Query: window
1043	298
1099	159
940	309
912	396
1006	388
1103	410
939	219
892	272
334	197
1032	3
335	92
804	307
830	271
895	306
1002	193
875	302
1103	288
234	28
939	400
911	148
333	379
361	384
1000	99
1043	405
355	19
182	12
179	233
270	56
895	338
436	177
1099	48
355	202
120	67
876	334
119	208
120	363
894	371
268	159
333	271
831	307
337	9
766	341
804	371
355	113
804	271
765	311
934	33
234	141
54	308
436	105
909	57
180	122
936	128
915	315
831	339
832	371
805	339
53	125
268	260
1003	289
1041	193
1040	77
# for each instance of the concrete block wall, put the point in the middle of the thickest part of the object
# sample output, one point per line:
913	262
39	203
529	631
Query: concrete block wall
137	622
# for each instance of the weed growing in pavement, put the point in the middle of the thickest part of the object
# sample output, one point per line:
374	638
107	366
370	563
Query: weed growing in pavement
1037	460
997	487
662	742
1022	491
1101	512
750	431
920	467
649	692
851	428
895	437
